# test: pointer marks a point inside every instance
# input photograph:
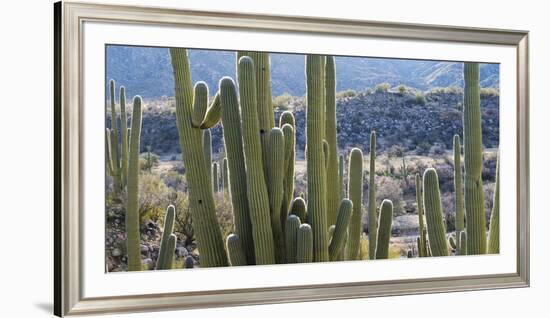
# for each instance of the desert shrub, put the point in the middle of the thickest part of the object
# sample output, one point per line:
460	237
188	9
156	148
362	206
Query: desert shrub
396	151
382	88
437	149
488	171
183	225
346	93
153	197
389	188
224	213
402	89
282	101
448	206
369	91
173	180
148	160
423	148
420	99
488	92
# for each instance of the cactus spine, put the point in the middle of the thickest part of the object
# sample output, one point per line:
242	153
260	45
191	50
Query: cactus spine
235	251
258	198
434	214
493	246
340	230
276	165
420	208
291	235
333	189
384	230
132	204
372	220
459	198
473	157
165	253
200	102
304	244
355	191
201	198
231	120
316	181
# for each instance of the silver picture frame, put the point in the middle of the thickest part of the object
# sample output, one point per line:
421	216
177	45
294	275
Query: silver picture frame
69	20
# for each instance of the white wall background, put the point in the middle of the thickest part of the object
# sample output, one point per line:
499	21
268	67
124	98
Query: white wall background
26	152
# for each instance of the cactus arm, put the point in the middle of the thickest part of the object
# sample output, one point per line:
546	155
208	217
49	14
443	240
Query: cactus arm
494	224
420	208
434	214
115	157
164	251
258	198
288	181
167	259
213	113
291	234
108	157
235	251
463	247
355	190
200	102
304	244
340	230
474	197
459	197
132	203
384	230
237	186
276	174
341	187
299	208
124	137
333	188
372	218
201	198
316	181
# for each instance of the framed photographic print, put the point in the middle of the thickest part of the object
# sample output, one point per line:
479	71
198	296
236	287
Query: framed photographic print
217	159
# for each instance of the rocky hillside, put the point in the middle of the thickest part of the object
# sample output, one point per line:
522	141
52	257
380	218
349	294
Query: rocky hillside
411	122
153	78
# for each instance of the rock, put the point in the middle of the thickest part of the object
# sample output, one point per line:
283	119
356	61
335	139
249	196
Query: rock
144	249
182	251
116	252
149	263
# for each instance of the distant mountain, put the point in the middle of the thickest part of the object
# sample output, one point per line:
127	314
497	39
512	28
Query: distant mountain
147	71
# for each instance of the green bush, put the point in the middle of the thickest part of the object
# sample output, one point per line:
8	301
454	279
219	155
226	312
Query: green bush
420	99
382	88
402	89
346	93
282	101
148	161
153	197
489	92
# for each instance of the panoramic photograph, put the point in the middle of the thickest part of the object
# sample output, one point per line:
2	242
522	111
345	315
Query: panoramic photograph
219	158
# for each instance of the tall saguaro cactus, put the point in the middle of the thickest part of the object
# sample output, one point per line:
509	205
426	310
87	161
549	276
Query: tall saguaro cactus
459	198
276	163
316	181
420	208
132	205
231	120
434	214
124	137
304	244
165	253
333	193
201	197
372	221
355	191
340	230
473	163
291	236
258	199
115	156
493	246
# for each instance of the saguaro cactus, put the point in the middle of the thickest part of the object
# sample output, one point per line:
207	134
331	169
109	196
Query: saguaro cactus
372	221
231	120
459	198
124	137
290	155
167	260
333	189
235	251
340	230
316	180
132	205
341	187
434	214
165	252
420	208
258	199
304	244
384	230
355	191
291	237
276	165
473	162
493	246
263	100
299	209
200	102
115	156
463	247
201	198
